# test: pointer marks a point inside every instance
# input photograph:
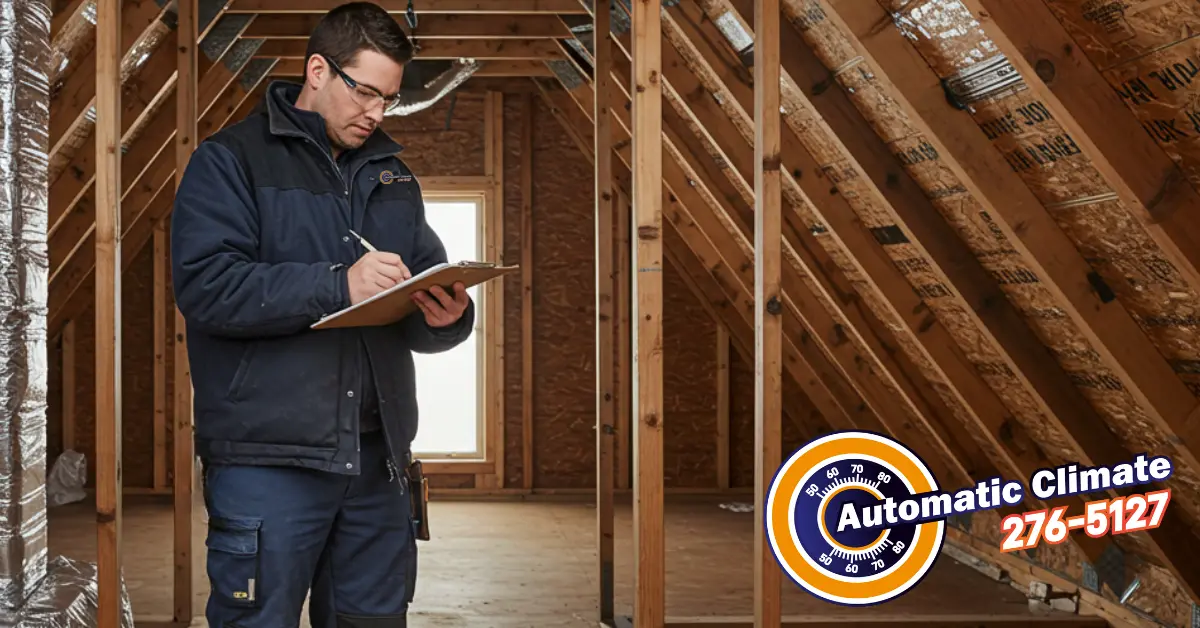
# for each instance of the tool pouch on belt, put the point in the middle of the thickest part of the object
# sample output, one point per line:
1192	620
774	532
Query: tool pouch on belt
418	495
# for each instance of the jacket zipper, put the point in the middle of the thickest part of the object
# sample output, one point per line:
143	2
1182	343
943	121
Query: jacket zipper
392	465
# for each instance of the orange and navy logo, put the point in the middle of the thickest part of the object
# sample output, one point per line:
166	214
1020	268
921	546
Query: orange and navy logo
818	538
387	176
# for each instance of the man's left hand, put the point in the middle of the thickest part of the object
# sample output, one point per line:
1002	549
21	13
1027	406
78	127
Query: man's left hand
440	309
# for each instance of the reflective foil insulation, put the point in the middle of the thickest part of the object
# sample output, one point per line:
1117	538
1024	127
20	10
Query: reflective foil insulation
34	591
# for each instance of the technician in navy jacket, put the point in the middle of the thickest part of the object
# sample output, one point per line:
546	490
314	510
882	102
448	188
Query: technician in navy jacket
304	434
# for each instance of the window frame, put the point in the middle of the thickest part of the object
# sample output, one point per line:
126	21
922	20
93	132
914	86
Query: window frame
489	325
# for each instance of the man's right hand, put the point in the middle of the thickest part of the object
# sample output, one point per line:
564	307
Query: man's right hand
373	273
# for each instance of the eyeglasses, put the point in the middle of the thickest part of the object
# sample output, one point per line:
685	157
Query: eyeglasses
365	95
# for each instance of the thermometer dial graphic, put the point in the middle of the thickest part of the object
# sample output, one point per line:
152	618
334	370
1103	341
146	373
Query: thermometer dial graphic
852	552
827	518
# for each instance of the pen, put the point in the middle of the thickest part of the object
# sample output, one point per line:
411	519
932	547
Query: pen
366	245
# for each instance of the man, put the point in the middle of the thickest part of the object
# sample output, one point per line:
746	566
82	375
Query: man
305	434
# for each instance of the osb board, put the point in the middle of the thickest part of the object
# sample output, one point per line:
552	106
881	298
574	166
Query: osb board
1084	206
741	421
452	480
137	379
1161	90
443	140
564	394
564	328
1148	52
1111	32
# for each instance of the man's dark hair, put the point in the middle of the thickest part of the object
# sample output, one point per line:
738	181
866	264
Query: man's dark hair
356	26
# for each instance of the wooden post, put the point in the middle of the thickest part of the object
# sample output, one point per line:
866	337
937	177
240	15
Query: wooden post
527	381
493	292
185	142
649	547
161	270
768	324
605	327
68	385
624	436
723	407
108	311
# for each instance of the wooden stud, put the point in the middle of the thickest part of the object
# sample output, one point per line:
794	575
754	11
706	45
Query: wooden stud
187	109
624	436
723	406
68	385
493	230
108	312
648	542
527	379
768	301
605	328
162	268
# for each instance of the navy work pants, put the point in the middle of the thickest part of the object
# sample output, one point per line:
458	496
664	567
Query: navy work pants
276	532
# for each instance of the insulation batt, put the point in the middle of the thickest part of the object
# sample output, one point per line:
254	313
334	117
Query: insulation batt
34	591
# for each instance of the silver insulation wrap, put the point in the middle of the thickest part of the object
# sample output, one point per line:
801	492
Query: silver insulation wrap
33	590
66	598
24	124
412	101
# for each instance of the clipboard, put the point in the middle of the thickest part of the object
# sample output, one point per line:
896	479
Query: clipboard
395	303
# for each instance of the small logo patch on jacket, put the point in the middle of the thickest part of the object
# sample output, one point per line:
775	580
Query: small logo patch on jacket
387	176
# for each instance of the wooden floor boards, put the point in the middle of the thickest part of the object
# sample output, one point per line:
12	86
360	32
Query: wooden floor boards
507	564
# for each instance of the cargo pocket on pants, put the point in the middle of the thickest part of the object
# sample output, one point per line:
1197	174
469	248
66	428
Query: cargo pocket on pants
233	560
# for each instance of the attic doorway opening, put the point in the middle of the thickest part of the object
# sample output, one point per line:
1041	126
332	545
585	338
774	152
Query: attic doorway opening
450	384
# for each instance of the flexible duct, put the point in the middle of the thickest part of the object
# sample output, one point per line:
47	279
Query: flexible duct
414	100
33	590
24	166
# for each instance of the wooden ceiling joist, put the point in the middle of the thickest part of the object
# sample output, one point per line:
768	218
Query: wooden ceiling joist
509	49
436	26
294	69
457	7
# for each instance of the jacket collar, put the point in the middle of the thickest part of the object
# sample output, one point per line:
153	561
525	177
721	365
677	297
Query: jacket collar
279	105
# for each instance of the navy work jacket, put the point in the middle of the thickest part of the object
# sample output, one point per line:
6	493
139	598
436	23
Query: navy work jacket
260	248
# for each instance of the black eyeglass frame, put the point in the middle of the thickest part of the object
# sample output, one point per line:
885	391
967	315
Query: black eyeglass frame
389	102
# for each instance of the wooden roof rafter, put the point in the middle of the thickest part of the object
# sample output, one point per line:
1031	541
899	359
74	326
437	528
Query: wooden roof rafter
149	167
1163	395
435	26
1098	447
1093	445
1002	451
